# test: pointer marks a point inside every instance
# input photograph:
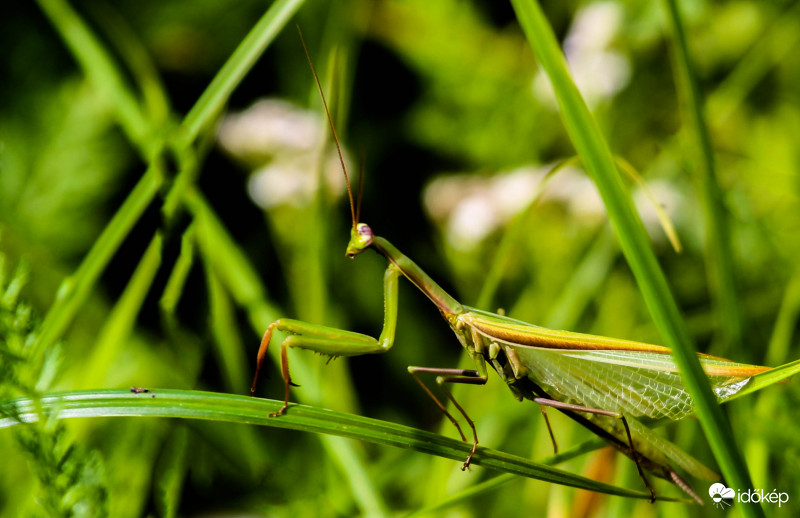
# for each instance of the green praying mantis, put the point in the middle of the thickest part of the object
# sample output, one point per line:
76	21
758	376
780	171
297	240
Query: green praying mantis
606	384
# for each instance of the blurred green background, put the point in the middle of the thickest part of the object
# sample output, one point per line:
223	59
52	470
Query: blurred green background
457	127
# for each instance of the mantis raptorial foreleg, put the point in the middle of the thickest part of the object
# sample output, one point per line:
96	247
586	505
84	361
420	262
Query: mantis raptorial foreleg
466	376
331	341
578	408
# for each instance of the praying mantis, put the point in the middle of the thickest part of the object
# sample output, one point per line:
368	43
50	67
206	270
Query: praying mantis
606	384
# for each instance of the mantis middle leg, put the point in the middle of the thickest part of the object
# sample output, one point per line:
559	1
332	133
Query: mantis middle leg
469	377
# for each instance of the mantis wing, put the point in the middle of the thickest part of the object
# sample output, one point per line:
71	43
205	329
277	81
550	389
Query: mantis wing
637	380
635	383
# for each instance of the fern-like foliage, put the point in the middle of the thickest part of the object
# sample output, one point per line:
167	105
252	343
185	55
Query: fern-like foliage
71	477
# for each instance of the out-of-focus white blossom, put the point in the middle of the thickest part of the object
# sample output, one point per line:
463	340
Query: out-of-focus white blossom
282	144
599	72
270	127
470	207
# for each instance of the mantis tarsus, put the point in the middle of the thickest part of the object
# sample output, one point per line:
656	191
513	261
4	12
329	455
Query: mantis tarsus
605	384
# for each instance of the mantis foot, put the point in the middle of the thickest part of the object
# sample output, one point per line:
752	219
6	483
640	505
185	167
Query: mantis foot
281	411
467	462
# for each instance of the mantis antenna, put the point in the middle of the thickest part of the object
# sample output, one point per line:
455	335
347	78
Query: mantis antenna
360	196
333	131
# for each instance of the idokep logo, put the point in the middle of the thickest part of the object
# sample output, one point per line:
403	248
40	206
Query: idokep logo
723	496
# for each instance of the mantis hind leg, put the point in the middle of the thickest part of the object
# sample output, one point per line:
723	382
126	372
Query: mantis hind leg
469	377
683	485
634	454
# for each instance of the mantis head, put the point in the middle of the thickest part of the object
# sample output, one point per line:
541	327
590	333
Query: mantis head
360	239
361	236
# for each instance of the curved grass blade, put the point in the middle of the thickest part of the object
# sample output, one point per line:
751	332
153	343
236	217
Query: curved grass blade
661	213
238	65
596	157
511	236
75	289
765	379
241	409
719	249
490	485
104	72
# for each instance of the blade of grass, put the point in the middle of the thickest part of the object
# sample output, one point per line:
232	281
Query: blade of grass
76	289
719	251
511	237
599	163
133	53
661	213
238	65
241	409
584	283
490	485
757	448
98	64
91	55
770	377
781	339
177	278
118	326
172	469
777	40
214	97
228	344
230	263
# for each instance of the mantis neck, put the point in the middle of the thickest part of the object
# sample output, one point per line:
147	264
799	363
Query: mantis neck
446	304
